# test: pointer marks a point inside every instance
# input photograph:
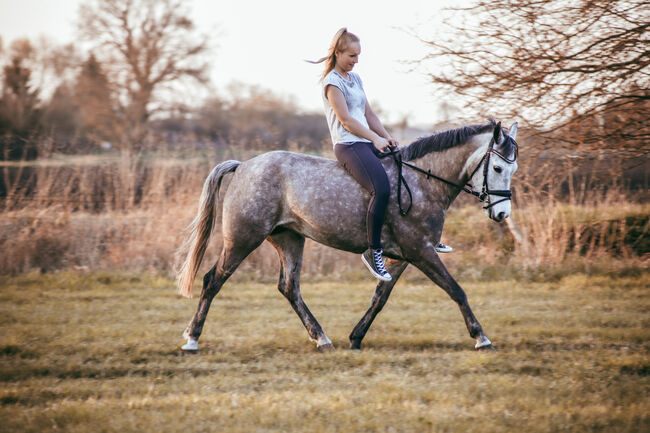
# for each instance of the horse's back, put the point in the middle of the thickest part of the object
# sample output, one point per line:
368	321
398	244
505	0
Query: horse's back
311	195
304	177
286	160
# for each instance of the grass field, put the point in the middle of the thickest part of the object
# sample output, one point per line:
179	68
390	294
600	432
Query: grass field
98	352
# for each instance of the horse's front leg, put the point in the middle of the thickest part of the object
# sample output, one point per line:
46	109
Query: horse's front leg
432	266
382	292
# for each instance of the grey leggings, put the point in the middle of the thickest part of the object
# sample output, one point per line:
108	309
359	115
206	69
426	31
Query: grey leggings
360	160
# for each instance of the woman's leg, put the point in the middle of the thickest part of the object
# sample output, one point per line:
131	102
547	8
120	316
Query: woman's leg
362	163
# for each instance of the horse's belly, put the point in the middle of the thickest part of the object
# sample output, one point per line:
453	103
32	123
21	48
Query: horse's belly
344	239
331	213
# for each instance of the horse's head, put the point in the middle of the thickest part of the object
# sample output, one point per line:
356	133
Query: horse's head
491	178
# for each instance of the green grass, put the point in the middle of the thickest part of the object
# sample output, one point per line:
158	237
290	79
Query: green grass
99	352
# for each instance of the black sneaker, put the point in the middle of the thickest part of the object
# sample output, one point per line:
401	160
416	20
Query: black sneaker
375	264
442	248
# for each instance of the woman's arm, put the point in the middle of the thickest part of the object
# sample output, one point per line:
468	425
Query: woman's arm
337	101
376	125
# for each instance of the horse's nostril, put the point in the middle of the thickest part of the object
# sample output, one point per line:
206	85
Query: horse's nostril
501	216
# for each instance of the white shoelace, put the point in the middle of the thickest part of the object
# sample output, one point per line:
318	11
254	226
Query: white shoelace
379	262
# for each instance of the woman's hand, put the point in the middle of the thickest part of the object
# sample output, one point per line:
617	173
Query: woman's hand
382	144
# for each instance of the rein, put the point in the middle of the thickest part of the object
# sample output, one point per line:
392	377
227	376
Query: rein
481	196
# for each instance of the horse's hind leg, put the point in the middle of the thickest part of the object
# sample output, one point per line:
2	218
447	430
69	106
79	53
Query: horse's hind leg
290	248
230	258
382	292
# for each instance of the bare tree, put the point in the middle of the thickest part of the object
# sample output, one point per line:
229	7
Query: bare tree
253	117
145	47
576	70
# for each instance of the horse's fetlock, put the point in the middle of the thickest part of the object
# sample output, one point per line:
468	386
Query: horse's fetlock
475	331
355	344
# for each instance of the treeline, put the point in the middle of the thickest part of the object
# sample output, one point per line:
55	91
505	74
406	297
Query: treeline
79	114
125	91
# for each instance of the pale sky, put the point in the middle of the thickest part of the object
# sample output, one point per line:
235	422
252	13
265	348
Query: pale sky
264	42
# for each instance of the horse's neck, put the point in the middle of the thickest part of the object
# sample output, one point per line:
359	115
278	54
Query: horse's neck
456	164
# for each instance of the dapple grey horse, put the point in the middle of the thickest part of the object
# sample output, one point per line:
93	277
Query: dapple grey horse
285	197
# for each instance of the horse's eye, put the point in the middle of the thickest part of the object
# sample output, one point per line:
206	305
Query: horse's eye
498	169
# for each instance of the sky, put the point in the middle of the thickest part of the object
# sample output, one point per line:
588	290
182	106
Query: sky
265	43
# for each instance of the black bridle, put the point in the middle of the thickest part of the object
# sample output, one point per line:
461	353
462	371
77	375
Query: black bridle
482	196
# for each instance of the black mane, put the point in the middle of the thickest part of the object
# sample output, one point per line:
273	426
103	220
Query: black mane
444	140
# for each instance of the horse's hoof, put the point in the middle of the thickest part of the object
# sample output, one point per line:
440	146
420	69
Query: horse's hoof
192	346
355	344
488	348
325	347
482	342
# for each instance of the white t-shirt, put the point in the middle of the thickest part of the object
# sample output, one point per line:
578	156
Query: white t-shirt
355	99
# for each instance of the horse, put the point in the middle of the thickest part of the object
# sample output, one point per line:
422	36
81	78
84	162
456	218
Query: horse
284	197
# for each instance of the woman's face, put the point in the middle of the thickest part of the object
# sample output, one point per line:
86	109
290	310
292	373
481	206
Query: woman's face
346	60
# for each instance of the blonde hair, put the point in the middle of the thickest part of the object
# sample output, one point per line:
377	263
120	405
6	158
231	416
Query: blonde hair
342	39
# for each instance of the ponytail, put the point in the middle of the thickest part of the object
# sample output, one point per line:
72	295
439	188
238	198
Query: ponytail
340	42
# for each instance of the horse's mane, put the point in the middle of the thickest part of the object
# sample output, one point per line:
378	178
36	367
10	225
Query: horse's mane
444	140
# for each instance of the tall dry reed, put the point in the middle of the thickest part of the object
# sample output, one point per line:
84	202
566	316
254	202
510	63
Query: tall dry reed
118	212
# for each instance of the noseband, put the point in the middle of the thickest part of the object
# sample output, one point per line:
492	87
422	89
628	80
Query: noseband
482	196
486	192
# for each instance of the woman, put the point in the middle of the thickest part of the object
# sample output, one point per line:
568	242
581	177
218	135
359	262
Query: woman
357	135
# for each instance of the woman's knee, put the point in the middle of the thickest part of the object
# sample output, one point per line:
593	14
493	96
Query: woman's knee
381	195
381	185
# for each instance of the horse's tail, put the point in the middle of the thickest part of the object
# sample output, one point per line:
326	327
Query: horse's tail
201	227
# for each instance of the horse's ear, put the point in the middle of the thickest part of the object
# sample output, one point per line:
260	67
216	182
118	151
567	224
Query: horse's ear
497	133
512	132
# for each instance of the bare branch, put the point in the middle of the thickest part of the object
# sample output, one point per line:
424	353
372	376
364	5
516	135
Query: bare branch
146	46
582	65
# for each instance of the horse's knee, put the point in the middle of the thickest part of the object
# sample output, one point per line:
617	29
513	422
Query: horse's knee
289	286
293	291
458	296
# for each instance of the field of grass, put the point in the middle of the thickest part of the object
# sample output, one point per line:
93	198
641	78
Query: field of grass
99	352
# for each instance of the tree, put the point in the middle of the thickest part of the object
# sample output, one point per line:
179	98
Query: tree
35	99
93	93
19	110
145	46
256	118
61	119
576	70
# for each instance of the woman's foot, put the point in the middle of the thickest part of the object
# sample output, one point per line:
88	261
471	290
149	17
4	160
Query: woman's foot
375	264
442	248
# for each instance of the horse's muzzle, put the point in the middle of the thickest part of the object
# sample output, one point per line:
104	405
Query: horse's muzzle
497	215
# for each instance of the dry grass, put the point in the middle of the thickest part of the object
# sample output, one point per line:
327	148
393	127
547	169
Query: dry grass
99	352
130	213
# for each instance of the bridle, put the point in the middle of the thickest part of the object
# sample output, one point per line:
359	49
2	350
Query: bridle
486	192
483	196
